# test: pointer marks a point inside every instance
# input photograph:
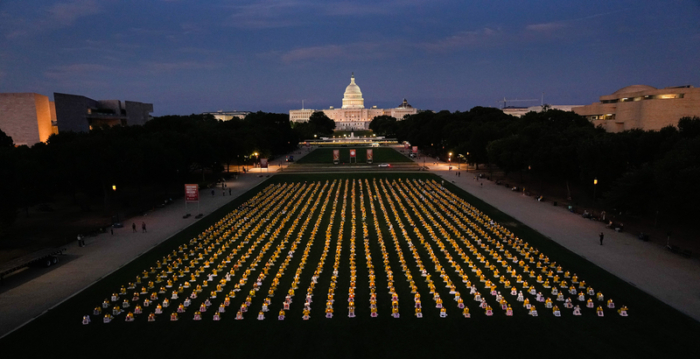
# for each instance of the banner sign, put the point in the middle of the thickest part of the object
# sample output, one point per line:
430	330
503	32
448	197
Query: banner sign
370	156
263	163
336	155
191	193
352	153
415	149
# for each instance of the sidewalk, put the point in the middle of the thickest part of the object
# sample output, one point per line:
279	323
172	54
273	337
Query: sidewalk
23	298
669	277
28	294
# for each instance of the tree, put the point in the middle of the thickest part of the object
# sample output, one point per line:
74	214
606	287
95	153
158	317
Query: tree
5	140
321	124
384	125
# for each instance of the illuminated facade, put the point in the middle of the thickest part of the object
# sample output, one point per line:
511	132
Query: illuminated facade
643	107
353	115
228	115
28	118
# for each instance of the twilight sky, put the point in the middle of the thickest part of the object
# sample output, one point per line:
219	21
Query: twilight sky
187	56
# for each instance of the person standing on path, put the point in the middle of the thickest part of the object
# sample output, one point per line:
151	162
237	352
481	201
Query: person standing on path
229	191
143	227
601	238
133	227
111	229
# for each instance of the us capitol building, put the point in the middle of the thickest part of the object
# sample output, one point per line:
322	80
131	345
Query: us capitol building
353	115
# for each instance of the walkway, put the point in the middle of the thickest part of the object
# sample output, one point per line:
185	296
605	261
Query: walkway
669	277
30	293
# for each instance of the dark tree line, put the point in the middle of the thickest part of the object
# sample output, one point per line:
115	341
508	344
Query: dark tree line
637	171
164	151
318	124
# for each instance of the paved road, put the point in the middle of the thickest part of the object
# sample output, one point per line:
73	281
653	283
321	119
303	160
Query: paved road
669	277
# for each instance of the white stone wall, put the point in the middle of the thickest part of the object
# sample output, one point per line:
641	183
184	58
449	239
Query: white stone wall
26	117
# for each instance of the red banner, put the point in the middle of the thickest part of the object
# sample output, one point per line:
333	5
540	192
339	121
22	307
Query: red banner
370	156
263	163
191	193
415	149
336	155
352	153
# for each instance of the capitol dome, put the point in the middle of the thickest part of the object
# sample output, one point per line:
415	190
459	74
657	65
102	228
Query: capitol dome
353	95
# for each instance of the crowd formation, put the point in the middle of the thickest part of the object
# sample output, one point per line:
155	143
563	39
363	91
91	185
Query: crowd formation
258	257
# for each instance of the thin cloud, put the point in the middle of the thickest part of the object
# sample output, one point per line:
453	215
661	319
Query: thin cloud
356	51
462	40
545	27
269	14
65	13
56	16
558	25
181	65
73	70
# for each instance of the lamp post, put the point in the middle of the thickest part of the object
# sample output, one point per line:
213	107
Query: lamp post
595	185
467	161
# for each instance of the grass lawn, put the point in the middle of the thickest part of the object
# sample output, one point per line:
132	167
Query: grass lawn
285	216
381	155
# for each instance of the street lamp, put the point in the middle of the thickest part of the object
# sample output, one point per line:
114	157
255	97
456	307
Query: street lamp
467	161
114	187
595	185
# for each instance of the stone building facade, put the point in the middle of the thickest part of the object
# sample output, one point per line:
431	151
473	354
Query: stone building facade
353	115
643	107
80	114
28	118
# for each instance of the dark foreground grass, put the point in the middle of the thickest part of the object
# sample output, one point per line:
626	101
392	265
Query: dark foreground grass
653	330
381	155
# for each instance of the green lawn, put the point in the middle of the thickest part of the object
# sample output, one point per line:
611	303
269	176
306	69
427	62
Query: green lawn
381	155
653	329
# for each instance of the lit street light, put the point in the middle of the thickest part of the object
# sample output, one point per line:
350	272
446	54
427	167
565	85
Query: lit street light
595	185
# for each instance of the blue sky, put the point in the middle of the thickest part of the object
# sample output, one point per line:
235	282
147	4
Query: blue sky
188	56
